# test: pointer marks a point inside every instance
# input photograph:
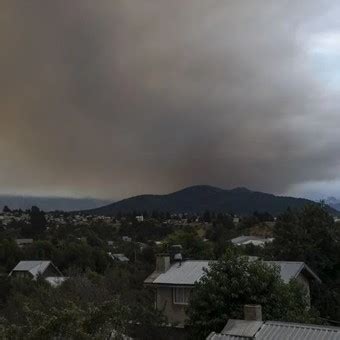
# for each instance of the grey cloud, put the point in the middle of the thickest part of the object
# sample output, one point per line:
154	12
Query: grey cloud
115	98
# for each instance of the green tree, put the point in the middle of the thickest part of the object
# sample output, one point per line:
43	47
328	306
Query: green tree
37	223
40	250
308	235
234	281
71	322
6	209
220	234
192	243
10	255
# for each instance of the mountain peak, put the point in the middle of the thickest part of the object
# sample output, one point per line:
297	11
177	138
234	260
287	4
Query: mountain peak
200	198
240	189
201	188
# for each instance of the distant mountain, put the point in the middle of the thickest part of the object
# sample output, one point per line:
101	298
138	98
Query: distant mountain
50	203
333	202
197	199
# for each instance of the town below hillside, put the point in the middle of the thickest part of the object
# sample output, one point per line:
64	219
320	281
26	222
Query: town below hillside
96	276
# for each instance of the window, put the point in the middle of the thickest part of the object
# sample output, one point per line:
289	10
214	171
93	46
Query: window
181	296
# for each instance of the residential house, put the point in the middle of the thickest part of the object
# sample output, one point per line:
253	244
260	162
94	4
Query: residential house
173	282
254	240
23	242
34	269
118	257
140	218
236	220
253	328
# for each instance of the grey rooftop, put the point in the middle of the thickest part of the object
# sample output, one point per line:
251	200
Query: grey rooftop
258	330
191	271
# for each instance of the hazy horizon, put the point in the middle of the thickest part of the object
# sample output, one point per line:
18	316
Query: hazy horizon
113	99
312	195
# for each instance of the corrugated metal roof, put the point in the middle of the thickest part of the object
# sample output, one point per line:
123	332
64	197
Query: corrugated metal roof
120	257
282	331
188	272
288	270
242	239
34	267
183	273
215	336
285	330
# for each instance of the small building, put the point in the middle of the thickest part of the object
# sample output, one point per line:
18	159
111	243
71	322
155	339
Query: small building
236	220
34	269
126	238
141	246
173	282
254	240
140	218
23	242
118	257
253	328
55	281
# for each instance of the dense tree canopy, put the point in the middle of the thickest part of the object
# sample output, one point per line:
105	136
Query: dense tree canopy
192	243
311	235
234	281
103	294
308	235
87	306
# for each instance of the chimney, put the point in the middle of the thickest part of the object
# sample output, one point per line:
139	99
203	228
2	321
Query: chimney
176	253
162	263
252	312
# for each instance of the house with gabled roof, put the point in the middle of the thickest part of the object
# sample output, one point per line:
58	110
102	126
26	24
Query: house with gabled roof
253	328
34	269
173	282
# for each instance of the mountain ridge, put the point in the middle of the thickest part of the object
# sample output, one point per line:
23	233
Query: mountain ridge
199	198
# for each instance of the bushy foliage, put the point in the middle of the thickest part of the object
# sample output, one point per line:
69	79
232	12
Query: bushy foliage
307	235
192	244
234	281
87	306
310	235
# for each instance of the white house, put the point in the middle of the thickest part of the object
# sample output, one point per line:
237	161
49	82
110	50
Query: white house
34	269
254	240
174	281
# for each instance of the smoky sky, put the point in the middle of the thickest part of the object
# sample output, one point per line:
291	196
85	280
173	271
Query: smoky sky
116	98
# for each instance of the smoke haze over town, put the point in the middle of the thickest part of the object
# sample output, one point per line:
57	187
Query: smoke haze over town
116	98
